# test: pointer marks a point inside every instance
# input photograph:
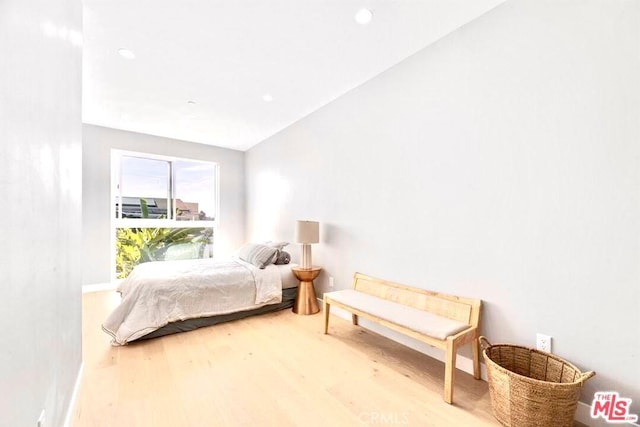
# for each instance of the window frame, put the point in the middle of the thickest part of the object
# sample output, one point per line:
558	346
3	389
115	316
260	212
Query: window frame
116	221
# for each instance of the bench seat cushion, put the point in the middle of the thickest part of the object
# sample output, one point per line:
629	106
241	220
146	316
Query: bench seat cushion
417	320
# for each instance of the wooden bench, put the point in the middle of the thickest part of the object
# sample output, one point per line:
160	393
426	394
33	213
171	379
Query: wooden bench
443	321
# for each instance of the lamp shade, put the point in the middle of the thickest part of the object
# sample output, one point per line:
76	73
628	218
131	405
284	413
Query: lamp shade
307	232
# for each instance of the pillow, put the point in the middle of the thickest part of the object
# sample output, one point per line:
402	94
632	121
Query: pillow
258	255
282	258
278	245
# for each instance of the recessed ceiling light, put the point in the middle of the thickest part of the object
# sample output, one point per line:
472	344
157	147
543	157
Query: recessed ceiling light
363	16
126	53
267	97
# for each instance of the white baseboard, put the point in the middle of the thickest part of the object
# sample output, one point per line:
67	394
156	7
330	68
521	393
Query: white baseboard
583	415
98	287
74	397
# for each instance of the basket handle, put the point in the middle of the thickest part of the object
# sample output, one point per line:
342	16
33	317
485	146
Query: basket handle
484	342
586	375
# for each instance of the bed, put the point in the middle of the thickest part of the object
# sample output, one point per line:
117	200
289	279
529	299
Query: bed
166	297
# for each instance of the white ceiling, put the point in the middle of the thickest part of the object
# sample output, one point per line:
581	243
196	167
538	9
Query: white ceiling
227	54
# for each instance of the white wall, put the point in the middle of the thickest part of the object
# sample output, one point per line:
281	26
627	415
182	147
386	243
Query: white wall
98	143
500	163
40	220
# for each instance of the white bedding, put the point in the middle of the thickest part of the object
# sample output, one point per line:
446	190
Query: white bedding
287	276
157	293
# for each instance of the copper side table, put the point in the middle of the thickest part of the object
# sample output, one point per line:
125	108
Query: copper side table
306	301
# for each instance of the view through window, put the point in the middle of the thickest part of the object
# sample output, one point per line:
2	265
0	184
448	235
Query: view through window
165	209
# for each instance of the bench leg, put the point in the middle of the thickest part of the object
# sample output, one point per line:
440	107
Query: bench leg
475	347
449	371
354	319
326	307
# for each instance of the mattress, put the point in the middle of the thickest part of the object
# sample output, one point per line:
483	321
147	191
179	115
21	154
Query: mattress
288	279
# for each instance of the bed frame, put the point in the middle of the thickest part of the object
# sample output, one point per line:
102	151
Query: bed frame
288	297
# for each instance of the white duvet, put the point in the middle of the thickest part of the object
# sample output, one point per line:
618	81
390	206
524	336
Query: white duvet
157	293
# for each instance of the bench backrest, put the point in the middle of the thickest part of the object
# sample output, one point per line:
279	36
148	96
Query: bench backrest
465	310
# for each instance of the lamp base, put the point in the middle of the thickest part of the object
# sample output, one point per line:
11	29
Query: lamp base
306	256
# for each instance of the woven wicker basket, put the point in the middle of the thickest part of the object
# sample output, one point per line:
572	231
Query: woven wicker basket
530	387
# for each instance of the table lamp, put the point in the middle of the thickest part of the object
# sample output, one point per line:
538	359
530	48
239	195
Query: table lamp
307	232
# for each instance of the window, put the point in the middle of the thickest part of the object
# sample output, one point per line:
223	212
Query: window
165	208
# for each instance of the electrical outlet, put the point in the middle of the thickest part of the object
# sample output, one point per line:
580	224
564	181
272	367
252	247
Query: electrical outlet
331	281
41	419
543	342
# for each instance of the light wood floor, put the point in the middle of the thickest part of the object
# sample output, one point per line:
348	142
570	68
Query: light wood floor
272	370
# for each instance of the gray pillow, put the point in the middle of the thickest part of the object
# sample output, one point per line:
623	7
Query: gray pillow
283	258
258	255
